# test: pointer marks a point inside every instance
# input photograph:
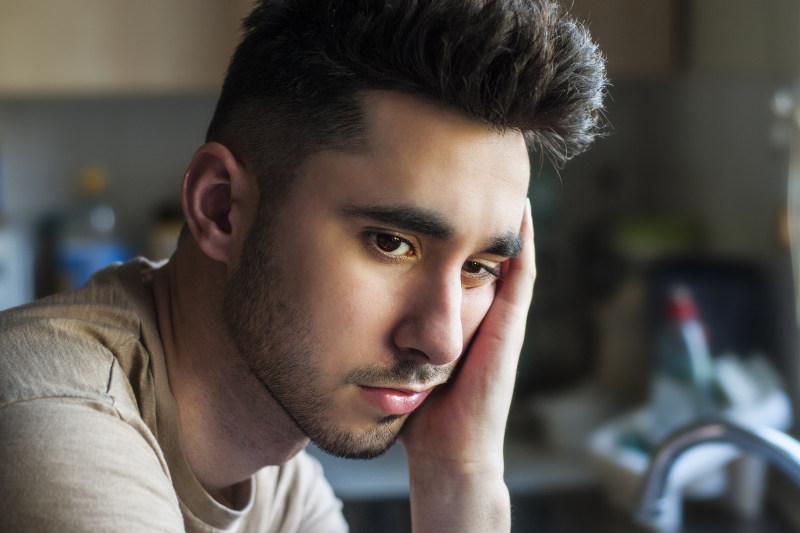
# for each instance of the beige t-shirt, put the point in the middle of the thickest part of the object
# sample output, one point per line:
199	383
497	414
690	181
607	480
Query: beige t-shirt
89	437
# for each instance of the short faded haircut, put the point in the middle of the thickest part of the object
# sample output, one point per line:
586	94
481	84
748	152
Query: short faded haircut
296	82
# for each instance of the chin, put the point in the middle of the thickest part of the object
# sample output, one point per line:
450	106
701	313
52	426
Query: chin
360	444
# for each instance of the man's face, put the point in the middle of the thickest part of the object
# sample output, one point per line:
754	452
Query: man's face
358	297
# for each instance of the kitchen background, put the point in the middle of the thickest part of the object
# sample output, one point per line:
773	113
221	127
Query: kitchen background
103	102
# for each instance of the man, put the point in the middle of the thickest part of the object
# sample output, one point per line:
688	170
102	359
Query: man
356	269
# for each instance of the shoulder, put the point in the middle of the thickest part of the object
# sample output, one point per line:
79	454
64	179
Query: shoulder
69	464
76	452
66	345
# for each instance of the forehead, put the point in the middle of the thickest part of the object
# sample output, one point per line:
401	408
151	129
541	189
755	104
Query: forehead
421	155
400	125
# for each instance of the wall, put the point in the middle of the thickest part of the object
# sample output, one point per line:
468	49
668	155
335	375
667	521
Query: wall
145	143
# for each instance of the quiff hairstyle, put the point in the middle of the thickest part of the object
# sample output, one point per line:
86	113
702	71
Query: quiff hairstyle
296	82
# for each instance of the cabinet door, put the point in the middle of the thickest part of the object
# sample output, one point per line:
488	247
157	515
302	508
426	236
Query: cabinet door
639	38
742	37
116	46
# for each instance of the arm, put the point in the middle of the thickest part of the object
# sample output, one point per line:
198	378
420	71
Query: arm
454	443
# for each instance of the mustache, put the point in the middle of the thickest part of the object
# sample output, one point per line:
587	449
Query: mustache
403	371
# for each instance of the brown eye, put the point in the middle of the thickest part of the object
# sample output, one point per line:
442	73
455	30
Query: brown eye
474	268
388	243
392	244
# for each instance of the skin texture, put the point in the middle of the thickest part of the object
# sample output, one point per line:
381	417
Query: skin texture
378	272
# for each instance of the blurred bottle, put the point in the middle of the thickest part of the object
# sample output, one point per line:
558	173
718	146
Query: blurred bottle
83	239
683	381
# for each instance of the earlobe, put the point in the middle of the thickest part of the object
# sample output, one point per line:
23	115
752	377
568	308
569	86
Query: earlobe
208	199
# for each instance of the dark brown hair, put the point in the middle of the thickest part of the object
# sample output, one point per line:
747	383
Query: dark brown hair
295	82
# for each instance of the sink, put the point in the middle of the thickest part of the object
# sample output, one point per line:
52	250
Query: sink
586	511
567	511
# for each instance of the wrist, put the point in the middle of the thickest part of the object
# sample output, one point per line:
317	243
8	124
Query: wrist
452	500
462	467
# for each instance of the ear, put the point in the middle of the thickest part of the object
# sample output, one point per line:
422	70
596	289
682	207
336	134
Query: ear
214	193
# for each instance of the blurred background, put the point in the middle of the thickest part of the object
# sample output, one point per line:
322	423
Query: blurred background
103	102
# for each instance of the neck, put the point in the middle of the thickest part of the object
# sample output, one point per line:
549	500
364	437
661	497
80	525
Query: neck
230	424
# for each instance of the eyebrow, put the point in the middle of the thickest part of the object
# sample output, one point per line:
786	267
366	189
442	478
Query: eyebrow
427	222
507	245
413	219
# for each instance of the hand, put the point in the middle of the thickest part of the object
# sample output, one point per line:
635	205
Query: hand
457	435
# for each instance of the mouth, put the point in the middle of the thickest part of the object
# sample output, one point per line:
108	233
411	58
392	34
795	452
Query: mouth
393	401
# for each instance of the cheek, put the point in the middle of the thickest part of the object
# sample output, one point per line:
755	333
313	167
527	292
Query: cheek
351	309
474	307
350	300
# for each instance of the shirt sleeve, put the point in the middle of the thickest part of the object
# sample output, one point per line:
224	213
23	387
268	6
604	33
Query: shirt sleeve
71	464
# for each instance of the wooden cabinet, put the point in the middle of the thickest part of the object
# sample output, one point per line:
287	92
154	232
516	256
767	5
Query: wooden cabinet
746	37
144	46
639	38
116	46
644	39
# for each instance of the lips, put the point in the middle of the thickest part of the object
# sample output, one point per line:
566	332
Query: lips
394	401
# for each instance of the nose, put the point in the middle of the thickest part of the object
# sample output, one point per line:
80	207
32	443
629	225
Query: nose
432	322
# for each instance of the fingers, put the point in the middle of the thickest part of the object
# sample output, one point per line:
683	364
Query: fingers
502	332
490	369
516	289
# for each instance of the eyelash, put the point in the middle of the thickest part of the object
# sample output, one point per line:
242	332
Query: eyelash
488	271
373	236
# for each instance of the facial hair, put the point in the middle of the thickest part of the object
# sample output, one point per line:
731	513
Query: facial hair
270	329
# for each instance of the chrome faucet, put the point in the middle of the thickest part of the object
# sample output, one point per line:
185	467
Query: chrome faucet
654	506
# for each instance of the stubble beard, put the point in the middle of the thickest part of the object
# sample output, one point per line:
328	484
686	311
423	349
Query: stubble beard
268	327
